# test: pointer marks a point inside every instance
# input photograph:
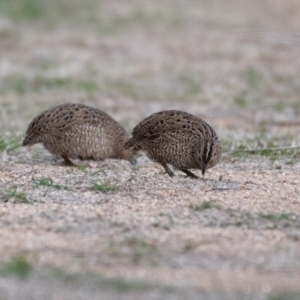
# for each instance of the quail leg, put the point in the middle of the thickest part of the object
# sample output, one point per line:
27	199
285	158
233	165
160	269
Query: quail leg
190	174
67	162
168	170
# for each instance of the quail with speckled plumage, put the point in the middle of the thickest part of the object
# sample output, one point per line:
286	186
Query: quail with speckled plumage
79	131
179	139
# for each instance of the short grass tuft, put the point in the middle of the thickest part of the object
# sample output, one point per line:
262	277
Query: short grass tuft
203	206
49	183
284	296
118	283
277	217
18	266
135	248
123	285
189	246
241	100
9	144
252	77
13	193
106	186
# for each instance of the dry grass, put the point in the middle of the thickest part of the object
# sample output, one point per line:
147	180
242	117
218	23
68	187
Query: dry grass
110	231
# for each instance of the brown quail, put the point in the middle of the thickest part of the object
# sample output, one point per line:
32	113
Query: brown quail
179	139
78	131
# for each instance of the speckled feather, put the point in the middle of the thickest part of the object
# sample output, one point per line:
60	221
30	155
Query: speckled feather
78	131
179	139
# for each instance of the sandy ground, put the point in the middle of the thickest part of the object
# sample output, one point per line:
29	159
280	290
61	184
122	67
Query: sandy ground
234	235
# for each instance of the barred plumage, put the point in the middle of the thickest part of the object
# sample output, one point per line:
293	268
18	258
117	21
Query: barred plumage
78	131
179	139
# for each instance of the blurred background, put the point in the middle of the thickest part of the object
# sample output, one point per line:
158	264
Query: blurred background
235	63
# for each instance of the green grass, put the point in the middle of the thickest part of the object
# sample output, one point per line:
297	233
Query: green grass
120	87
252	77
241	100
284	79
23	9
55	13
203	206
272	154
124	285
48	12
142	87
189	246
147	87
88	171
164	220
49	183
89	86
3	145
13	193
9	144
277	217
18	266
247	97
117	283
224	217
273	148
191	84
134	248
18	83
284	296
279	106
136	15
105	186
21	85
259	220
139	248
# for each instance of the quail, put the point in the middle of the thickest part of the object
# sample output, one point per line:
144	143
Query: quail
179	139
78	131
